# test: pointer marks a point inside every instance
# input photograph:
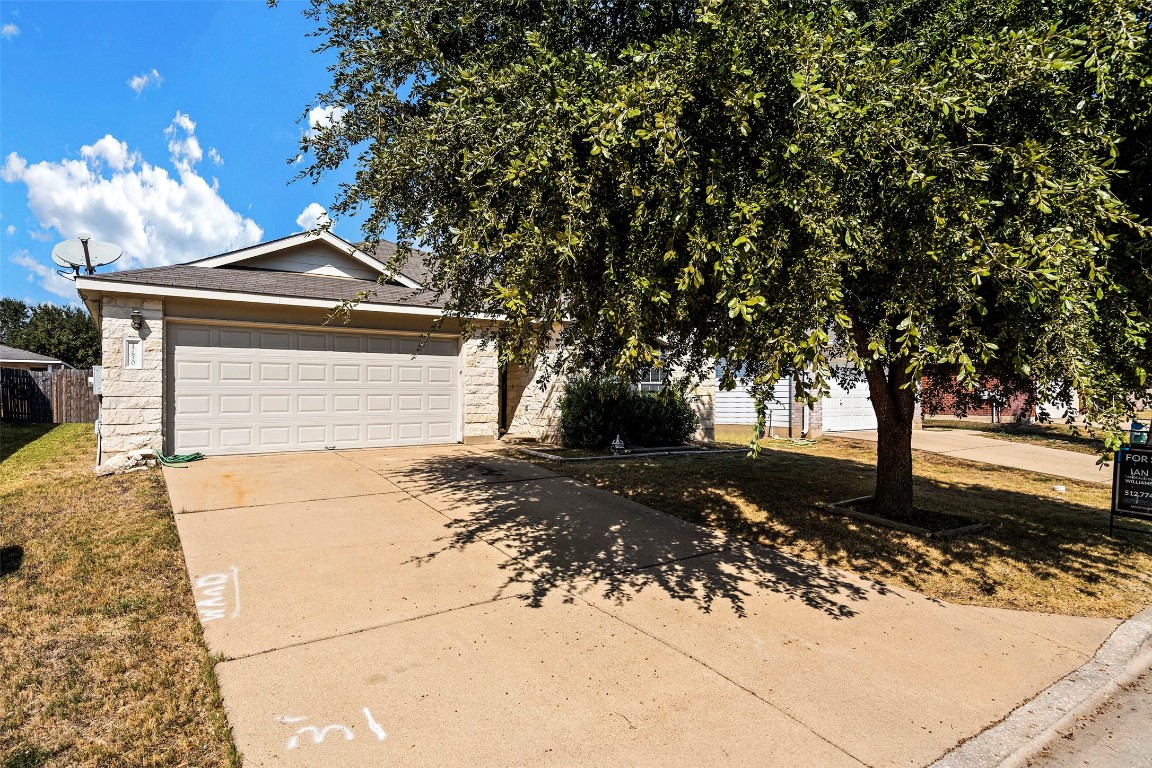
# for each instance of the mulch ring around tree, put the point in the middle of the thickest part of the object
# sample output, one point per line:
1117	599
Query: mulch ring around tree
924	522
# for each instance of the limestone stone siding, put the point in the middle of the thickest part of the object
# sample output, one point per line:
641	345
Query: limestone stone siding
532	401
131	406
480	369
702	398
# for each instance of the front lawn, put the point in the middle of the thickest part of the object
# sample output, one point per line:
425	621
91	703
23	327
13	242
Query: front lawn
101	657
1045	551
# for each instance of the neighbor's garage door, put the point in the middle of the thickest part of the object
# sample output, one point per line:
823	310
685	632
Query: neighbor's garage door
845	410
240	390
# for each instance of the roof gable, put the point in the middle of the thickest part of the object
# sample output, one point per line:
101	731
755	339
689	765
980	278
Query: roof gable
310	253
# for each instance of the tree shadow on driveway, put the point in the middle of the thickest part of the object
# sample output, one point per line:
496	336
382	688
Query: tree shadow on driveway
561	535
1043	551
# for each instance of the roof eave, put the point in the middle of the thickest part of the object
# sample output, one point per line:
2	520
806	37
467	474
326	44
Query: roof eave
108	284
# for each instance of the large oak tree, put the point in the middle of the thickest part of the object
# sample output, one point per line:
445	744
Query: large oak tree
779	186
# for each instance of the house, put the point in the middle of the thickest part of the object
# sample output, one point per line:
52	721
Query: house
22	359
843	410
233	354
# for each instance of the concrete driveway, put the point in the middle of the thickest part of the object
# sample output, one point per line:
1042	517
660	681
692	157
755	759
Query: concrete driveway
449	606
966	444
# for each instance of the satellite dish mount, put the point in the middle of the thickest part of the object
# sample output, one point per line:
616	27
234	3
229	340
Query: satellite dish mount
84	253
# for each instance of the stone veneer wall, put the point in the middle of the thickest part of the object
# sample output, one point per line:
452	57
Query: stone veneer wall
480	367
703	400
532	402
131	406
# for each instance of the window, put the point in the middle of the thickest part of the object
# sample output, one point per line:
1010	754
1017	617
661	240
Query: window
652	380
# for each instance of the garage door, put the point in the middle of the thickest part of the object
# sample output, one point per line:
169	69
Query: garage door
257	390
846	410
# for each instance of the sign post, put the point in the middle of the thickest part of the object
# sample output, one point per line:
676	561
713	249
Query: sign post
1132	486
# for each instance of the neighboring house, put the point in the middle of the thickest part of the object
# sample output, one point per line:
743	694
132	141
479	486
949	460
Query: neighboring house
843	410
11	357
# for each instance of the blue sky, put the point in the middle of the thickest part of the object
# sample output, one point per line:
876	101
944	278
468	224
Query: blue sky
165	127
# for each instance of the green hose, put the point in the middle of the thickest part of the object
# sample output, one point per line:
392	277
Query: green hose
178	462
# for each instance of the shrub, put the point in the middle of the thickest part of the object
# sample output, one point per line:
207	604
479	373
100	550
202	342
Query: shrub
594	410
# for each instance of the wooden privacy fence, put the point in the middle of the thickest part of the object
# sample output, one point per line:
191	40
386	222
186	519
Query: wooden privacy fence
47	397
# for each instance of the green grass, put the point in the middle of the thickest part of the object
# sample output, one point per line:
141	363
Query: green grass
102	661
1044	550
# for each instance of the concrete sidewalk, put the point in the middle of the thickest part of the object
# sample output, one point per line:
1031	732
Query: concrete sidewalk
965	444
453	607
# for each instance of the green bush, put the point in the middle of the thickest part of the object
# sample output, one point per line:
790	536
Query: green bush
594	410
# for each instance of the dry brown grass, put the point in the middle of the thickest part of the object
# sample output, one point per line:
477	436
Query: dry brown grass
101	656
1045	551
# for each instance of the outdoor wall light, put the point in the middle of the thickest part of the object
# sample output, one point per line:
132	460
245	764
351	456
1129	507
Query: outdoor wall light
137	320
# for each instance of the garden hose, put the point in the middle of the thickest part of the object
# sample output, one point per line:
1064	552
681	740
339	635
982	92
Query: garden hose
178	462
801	442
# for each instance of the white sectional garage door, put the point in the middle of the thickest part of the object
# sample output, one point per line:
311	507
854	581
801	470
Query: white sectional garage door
258	390
845	410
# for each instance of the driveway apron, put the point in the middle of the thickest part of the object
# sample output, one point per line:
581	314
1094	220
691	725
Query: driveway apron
451	606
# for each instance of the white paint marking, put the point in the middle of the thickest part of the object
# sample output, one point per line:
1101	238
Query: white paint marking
319	734
236	590
375	726
287	719
211	590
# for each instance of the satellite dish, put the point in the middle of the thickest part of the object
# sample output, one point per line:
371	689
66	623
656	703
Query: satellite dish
86	253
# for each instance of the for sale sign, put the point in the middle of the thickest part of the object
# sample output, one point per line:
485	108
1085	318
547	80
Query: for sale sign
1132	482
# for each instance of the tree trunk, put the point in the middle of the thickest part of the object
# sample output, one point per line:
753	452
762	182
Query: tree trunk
893	464
893	395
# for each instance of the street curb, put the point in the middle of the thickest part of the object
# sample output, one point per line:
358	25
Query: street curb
1124	656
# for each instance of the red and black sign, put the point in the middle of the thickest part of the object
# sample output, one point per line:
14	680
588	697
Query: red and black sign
1132	482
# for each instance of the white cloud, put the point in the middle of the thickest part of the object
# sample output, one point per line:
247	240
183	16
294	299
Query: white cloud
141	81
214	156
10	229
182	142
313	217
324	117
14	166
111	152
157	217
47	276
9	31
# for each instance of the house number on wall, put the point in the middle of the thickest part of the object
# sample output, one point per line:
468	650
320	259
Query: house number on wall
133	355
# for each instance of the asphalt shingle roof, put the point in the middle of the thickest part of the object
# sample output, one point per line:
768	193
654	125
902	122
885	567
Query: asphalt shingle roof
413	266
270	282
12	354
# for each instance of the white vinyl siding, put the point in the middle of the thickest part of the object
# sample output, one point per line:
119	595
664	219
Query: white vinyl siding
257	390
316	259
738	407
